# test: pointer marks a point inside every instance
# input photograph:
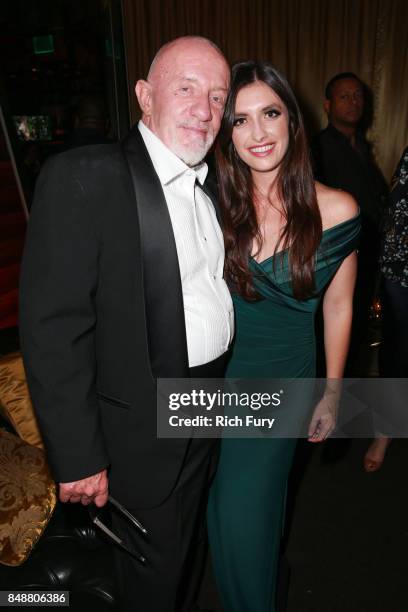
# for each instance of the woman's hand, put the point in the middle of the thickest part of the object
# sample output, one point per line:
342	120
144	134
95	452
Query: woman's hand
324	416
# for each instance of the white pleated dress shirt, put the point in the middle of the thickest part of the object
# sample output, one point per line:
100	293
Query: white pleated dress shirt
208	308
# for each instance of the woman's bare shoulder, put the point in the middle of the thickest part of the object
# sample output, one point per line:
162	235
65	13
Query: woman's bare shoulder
335	205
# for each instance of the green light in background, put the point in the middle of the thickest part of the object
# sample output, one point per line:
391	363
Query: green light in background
43	44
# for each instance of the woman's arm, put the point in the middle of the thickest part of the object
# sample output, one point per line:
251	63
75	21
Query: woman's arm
337	317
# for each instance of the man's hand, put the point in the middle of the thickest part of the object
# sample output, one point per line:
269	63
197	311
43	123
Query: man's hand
88	490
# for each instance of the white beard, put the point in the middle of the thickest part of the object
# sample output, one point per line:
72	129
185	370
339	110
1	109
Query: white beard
193	154
191	157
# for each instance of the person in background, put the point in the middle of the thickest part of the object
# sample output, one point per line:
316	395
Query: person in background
343	160
122	284
91	123
394	296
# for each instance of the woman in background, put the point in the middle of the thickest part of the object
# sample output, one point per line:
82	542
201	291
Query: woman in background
394	296
289	242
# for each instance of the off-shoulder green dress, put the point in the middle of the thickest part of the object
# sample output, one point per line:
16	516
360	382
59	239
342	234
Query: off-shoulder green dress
275	338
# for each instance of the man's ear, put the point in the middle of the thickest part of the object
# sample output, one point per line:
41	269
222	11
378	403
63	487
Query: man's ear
326	106
143	91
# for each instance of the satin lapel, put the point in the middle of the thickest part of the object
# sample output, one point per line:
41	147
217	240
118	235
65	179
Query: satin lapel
162	284
210	188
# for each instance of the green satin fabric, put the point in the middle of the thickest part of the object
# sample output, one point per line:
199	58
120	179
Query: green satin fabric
275	338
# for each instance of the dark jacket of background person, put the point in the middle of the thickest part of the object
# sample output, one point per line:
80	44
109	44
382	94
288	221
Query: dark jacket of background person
339	165
394	270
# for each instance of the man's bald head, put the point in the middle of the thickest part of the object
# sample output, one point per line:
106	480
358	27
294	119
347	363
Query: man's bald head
177	44
184	95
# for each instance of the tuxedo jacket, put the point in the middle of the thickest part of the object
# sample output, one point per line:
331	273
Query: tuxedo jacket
101	317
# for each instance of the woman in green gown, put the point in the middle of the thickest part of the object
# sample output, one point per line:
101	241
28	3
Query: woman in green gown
290	242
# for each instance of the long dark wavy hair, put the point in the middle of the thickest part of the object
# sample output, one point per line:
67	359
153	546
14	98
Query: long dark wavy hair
302	233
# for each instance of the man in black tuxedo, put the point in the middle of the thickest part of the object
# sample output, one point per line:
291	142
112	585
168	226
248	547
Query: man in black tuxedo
122	283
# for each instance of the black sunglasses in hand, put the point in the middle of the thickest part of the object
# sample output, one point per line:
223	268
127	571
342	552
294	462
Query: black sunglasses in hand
93	513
